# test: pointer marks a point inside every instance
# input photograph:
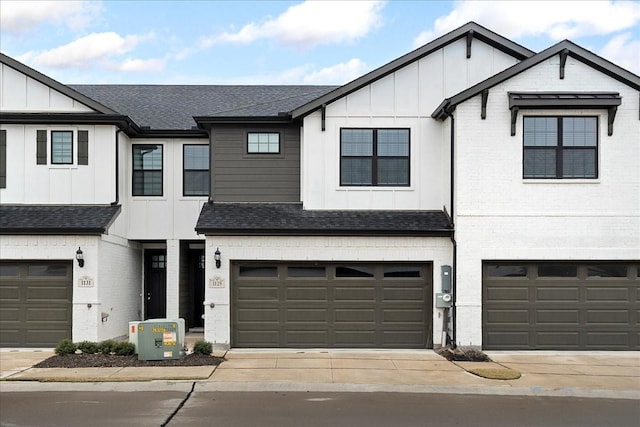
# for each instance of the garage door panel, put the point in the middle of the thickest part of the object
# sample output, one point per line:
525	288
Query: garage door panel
47	315
52	293
561	294
9	293
332	305
9	315
580	312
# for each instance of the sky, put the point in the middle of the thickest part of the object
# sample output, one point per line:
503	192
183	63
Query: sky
284	42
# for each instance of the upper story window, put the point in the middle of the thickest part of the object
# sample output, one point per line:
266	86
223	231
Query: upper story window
147	170
374	157
263	143
61	147
560	147
196	170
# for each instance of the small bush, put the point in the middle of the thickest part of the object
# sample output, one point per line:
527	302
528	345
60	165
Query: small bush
106	346
203	347
124	348
88	347
65	347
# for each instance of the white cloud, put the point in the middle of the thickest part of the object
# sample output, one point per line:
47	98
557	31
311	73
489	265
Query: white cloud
623	51
18	17
141	65
337	74
310	23
557	20
84	51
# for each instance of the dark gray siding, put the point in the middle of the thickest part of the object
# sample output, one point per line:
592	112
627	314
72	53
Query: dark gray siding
240	177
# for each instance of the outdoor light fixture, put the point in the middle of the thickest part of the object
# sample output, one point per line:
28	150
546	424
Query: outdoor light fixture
80	257
216	256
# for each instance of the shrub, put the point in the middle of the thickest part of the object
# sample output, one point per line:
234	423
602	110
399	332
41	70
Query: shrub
106	346
88	347
202	347
65	347
124	348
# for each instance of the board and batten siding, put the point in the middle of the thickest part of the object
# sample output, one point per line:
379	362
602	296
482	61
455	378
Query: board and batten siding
241	177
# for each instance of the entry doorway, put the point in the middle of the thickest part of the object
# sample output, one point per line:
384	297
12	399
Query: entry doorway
197	262
155	283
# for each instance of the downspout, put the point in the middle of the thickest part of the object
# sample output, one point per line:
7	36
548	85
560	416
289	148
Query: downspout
117	200
453	233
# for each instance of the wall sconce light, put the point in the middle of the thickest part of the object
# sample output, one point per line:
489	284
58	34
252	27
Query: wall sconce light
80	257
216	256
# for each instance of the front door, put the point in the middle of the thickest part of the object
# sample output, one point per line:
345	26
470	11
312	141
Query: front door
155	283
197	264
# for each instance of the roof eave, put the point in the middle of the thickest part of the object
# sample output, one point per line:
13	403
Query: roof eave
207	121
322	232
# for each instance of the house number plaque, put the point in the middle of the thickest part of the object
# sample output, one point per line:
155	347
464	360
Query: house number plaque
216	282
85	282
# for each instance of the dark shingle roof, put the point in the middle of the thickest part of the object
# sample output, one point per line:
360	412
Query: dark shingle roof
172	107
56	219
292	219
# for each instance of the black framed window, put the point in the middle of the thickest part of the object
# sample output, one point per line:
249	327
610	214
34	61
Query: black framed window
560	147
195	180
263	143
147	170
374	157
61	147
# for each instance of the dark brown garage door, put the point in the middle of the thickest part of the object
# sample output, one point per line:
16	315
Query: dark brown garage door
561	306
349	305
35	303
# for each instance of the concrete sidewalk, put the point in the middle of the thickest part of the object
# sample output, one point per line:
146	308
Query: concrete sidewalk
582	374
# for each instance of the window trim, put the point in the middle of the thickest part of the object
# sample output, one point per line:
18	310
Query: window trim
263	153
134	170
73	140
559	149
185	170
374	158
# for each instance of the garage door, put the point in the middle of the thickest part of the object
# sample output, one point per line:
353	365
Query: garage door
331	305
35	303
561	306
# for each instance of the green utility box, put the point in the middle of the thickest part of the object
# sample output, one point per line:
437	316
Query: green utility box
160	339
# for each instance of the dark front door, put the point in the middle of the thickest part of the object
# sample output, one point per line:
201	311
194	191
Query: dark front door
197	267
155	283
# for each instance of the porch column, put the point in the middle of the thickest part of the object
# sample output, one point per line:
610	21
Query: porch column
173	279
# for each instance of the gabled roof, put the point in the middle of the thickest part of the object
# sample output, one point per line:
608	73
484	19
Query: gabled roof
469	30
269	219
173	107
48	81
57	219
564	47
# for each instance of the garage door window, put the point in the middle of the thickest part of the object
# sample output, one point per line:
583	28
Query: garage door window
302	272
507	271
9	270
402	271
354	271
557	271
603	270
258	271
48	270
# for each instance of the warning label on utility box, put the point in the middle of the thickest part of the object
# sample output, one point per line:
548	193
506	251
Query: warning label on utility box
169	338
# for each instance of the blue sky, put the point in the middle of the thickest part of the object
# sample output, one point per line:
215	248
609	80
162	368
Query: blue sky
283	42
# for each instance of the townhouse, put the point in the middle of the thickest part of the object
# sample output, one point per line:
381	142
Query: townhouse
471	191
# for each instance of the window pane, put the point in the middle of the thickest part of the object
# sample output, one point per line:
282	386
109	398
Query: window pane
402	271
579	132
357	142
55	270
507	271
354	271
579	163
356	171
540	131
9	270
393	142
147	157
306	272
258	271
539	163
393	171
196	157
557	271
61	147
263	142
604	270
196	183
147	183
147	170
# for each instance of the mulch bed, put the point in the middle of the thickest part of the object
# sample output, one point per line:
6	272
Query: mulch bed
109	361
462	355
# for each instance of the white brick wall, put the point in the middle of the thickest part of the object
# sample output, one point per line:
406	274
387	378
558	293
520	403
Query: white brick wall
501	216
217	320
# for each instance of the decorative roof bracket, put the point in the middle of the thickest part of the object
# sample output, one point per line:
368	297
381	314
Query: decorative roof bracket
612	116
514	117
469	40
323	114
485	96
563	61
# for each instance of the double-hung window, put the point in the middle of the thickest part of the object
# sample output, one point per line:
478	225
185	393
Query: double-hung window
61	147
560	147
196	170
147	170
374	157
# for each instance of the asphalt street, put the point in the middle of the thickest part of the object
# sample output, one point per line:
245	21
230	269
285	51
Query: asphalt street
172	408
